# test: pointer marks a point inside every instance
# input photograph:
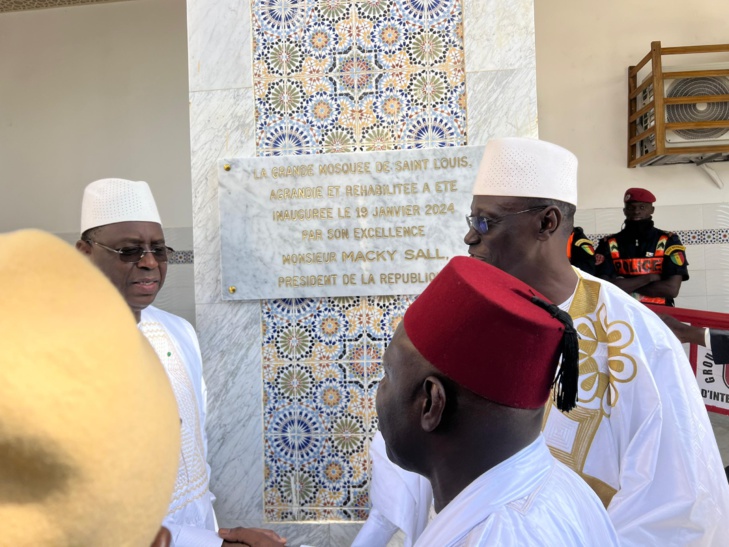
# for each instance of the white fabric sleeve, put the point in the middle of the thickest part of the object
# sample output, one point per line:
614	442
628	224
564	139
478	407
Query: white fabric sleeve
190	536
376	531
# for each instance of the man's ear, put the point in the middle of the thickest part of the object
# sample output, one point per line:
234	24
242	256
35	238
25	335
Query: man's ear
551	220
434	403
83	246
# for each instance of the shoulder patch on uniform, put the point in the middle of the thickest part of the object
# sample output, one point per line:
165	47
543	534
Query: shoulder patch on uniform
586	245
674	248
678	258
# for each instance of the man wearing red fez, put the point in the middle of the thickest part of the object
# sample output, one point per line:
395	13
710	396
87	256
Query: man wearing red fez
640	435
645	262
468	416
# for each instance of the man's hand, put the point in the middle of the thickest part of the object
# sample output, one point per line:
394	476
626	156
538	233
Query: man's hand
633	284
687	334
254	537
163	538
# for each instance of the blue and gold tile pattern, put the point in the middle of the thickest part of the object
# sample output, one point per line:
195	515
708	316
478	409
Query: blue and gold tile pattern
342	76
349	75
322	362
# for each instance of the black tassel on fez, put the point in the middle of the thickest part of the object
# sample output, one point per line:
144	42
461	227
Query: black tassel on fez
565	395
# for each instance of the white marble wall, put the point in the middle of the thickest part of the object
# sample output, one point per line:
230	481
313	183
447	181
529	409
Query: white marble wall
501	85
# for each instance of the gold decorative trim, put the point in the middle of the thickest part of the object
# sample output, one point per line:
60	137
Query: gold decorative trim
588	421
603	490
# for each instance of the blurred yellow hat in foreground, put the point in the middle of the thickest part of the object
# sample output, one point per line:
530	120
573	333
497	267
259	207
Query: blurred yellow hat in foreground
89	428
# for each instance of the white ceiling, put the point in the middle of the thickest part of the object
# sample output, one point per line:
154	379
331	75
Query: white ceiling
22	5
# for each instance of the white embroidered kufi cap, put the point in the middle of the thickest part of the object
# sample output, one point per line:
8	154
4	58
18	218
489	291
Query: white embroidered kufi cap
108	201
529	168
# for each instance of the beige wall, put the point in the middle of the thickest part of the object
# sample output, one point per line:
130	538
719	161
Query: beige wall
90	92
583	51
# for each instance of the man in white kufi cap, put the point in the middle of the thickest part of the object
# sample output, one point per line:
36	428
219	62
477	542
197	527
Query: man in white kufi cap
121	232
640	435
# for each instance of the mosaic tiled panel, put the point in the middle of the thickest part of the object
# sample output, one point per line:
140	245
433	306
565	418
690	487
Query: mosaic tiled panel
690	237
341	76
181	257
321	365
349	75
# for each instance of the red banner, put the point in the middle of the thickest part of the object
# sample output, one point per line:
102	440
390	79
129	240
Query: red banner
712	378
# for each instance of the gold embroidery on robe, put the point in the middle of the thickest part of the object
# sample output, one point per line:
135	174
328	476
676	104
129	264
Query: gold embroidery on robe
604	365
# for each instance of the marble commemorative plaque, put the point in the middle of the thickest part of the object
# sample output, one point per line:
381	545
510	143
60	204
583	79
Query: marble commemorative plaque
376	223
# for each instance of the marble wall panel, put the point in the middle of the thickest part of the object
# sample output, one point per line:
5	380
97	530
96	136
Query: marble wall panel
207	277
260	250
219	45
502	103
220	125
343	534
328	77
230	337
315	534
499	35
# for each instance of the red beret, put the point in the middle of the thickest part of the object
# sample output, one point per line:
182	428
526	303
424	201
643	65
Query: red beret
638	194
480	327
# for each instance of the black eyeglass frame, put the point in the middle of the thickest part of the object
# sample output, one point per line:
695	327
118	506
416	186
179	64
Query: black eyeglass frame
135	253
474	221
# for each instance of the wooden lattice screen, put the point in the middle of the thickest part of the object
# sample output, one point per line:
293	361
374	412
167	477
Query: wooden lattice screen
654	138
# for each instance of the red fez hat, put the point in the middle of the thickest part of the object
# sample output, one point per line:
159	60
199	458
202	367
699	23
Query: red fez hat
638	194
495	336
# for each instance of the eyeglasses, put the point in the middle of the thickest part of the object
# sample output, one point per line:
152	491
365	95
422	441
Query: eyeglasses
136	253
481	223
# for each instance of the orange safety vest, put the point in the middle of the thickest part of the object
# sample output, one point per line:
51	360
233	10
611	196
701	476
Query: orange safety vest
640	266
569	246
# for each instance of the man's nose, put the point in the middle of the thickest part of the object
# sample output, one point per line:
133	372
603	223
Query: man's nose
472	237
148	261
